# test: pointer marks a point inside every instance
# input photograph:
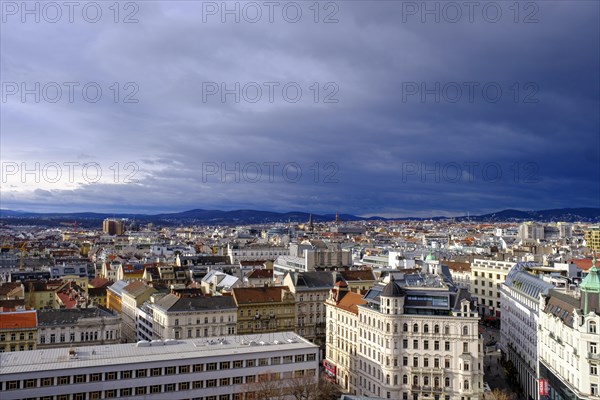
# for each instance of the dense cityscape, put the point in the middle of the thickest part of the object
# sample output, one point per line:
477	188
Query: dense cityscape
416	309
300	200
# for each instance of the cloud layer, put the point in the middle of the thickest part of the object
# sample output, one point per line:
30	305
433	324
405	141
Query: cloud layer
395	109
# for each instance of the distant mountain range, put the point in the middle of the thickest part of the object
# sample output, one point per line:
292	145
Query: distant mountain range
243	217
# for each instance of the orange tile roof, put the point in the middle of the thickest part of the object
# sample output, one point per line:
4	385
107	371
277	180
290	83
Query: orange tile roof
18	320
249	295
582	263
350	302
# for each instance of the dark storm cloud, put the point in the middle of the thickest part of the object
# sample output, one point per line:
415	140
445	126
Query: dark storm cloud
380	149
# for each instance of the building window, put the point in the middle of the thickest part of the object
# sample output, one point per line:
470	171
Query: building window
125	392
110	394
465	347
250	363
465	330
211	383
198	367
170	387
593	347
593	369
238	364
426	345
155	372
415	328
169	370
447	363
237	380
592	327
126	375
447	382
405	328
415	344
95	377
426	328
184	369
111	376
466	384
415	361
224	382
95	395
211	366
184	386
141	373
405	343
140	390
197	384
63	380
155	389
594	389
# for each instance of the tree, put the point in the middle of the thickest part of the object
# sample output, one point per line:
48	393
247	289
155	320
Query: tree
503	395
270	386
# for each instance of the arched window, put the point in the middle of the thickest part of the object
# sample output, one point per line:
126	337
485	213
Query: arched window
426	328
426	381
446	330
416	380
405	328
395	379
387	379
447	382
436	382
405	379
466	384
415	328
388	326
436	328
465	330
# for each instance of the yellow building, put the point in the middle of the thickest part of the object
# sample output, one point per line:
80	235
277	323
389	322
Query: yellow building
264	309
42	293
18	330
592	238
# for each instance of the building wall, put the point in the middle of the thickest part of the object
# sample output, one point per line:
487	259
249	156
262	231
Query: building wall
486	278
211	375
570	355
193	324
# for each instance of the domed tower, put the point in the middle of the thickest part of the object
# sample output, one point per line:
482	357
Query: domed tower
590	290
392	297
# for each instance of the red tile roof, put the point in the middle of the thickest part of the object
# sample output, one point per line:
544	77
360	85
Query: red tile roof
18	320
582	263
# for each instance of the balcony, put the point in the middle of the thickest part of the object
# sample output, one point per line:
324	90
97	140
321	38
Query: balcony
593	356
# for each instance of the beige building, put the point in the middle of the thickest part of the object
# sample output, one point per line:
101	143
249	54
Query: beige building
592	238
18	330
487	276
265	309
414	337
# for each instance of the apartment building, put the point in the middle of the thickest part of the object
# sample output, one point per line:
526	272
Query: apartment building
569	342
18	330
231	368
180	315
264	309
520	299
78	326
310	290
413	337
486	278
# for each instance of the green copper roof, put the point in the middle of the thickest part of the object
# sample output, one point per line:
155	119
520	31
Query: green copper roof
591	283
430	257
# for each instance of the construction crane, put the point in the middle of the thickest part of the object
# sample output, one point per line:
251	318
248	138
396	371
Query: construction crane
22	247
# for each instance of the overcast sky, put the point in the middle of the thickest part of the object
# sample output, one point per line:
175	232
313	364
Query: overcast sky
362	107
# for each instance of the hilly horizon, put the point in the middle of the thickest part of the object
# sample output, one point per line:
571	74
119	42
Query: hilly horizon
247	216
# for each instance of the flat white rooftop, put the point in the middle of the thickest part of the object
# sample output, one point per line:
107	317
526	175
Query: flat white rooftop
156	351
